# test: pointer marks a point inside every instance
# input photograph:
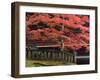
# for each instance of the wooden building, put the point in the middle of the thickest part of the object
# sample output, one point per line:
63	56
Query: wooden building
53	52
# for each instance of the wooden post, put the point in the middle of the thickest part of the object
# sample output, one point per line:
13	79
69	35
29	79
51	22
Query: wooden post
53	55
32	54
26	53
29	54
42	57
75	54
48	54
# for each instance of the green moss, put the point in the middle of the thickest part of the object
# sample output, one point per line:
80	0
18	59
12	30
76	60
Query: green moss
38	63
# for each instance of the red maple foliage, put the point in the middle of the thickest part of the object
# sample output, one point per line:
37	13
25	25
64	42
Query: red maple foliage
47	27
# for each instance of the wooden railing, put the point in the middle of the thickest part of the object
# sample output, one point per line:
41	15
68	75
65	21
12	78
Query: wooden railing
50	55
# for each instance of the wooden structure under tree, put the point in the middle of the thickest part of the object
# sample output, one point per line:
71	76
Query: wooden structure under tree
53	52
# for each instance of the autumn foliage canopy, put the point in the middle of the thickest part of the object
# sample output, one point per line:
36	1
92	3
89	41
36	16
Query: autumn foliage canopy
50	28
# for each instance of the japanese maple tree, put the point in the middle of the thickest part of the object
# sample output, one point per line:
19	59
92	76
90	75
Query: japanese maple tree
47	27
